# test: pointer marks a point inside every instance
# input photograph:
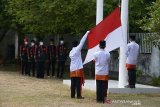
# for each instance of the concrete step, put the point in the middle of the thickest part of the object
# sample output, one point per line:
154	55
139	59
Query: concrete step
113	87
134	90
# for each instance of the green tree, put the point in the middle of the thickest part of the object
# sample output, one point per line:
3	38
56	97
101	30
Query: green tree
137	11
52	16
67	16
56	16
151	22
5	19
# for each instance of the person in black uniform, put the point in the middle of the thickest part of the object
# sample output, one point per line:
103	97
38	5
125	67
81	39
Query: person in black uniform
24	57
51	57
31	59
41	53
62	56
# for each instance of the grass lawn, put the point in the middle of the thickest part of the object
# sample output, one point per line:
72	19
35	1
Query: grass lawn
24	91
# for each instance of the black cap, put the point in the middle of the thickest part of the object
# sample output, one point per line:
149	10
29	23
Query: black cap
75	43
40	40
132	37
102	43
61	39
51	40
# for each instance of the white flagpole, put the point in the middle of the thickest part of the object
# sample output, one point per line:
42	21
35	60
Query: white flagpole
99	14
122	60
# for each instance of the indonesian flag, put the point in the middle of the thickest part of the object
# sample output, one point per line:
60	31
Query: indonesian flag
110	30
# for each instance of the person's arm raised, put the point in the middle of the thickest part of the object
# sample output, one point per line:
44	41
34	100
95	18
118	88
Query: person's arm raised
79	47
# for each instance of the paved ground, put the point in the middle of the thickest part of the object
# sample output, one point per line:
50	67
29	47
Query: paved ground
90	84
113	87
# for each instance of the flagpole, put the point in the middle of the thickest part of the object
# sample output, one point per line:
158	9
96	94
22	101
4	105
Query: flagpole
122	61
99	13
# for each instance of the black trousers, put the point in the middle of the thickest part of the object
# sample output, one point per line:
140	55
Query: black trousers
51	65
132	77
75	86
101	92
31	67
40	69
60	71
24	67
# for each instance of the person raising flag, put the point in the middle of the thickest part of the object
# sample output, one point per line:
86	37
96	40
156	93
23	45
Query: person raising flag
76	67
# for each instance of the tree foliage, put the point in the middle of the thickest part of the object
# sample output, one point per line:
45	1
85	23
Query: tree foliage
53	16
5	19
151	22
65	16
56	16
137	11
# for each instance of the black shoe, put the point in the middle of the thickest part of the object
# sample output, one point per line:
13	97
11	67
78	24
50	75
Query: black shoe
127	86
100	101
80	97
132	86
72	96
61	77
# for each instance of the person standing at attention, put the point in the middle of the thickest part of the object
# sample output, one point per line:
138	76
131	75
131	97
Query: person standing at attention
102	60
24	57
51	58
31	58
131	62
62	57
41	53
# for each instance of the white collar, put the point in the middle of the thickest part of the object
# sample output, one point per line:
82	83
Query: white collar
101	49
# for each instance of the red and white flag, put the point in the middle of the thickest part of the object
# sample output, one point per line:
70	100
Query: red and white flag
110	30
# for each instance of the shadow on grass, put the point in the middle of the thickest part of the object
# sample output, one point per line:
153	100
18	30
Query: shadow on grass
10	68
